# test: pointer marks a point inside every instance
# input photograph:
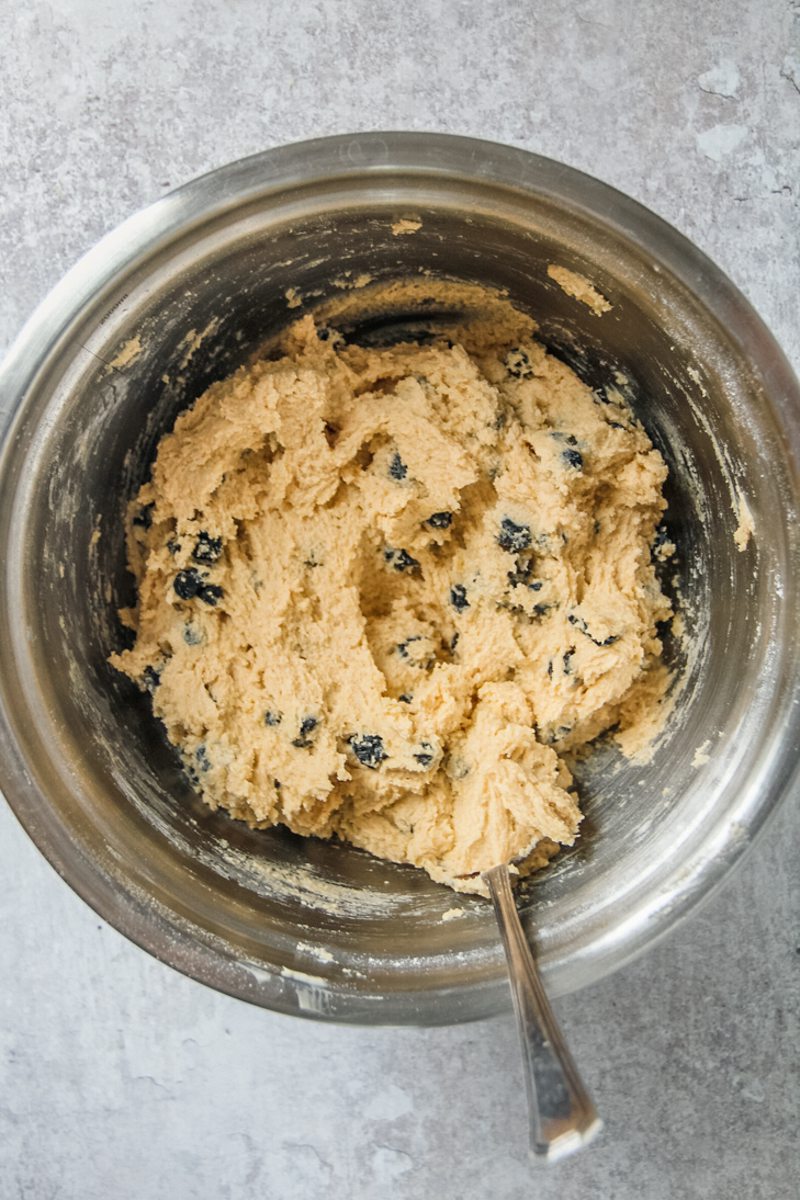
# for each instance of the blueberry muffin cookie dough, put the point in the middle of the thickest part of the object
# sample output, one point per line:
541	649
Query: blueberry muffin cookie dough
383	592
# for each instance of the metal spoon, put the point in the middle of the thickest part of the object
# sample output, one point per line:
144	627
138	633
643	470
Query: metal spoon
562	1115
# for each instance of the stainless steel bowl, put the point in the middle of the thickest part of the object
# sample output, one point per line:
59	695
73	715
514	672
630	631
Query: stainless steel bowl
322	929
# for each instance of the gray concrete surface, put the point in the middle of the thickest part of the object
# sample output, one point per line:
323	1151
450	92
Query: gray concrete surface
121	1080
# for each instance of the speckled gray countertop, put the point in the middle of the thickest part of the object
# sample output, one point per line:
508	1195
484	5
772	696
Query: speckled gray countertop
121	1080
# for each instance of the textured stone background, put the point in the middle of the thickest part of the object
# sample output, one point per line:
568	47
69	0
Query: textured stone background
122	1080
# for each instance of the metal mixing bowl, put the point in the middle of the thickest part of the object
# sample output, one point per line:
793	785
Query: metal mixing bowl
323	929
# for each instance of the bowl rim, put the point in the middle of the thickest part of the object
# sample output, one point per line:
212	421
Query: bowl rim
370	154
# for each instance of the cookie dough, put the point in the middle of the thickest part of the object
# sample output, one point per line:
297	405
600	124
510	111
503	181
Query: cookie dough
383	592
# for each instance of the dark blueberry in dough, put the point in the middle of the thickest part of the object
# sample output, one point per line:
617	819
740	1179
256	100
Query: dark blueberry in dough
144	517
278	784
512	537
573	458
203	761
521	575
568	661
518	364
151	678
402	647
210	593
272	718
401	560
207	549
323	333
188	583
425	756
368	749
550	668
458	597
397	468
173	546
405	698
572	440
454	642
580	624
307	726
440	520
192	636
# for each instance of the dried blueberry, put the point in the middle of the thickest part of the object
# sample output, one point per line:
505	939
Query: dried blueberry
518	364
151	678
512	537
368	749
458	597
272	718
144	517
203	761
401	560
580	624
521	575
173	546
188	583
307	726
440	520
573	458
572	440
210	593
402	647
207	549
397	468
570	654
406	698
425	757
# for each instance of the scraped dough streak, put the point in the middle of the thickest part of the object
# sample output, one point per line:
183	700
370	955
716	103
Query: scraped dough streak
382	592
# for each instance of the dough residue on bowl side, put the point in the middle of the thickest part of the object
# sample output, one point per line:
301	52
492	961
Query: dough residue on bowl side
579	287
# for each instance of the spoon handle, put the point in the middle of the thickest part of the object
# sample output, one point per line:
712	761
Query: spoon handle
562	1115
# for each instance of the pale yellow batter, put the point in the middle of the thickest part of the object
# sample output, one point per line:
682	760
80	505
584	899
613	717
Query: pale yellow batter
381	592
